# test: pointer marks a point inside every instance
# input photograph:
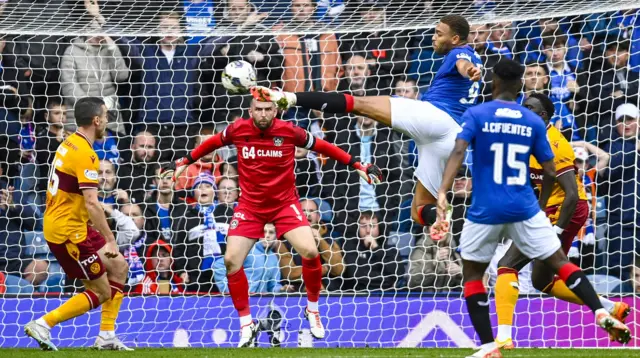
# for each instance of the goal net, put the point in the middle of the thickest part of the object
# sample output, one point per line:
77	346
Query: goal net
157	65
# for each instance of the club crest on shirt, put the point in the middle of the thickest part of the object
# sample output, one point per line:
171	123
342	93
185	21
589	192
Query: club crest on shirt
277	141
234	224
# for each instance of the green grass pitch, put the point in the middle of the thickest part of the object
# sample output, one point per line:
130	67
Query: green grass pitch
311	352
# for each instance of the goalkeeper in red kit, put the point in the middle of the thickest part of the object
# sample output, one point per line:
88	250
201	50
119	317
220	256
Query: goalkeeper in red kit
266	157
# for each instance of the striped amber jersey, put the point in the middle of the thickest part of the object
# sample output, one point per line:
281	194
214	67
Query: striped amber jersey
564	159
75	167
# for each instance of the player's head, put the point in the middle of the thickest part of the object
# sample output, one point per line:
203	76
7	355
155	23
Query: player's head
263	113
451	31
540	105
91	115
507	79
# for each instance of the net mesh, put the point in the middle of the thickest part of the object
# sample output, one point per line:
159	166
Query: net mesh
157	65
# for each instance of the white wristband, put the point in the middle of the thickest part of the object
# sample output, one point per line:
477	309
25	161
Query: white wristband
558	229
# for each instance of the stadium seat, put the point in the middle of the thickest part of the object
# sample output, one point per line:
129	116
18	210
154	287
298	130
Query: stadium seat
15	285
36	246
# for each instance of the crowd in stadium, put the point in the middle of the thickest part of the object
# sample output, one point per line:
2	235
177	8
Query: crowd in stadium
164	98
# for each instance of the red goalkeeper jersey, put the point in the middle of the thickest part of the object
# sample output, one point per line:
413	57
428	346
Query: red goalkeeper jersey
266	161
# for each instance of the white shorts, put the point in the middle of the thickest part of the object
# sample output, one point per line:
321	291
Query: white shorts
534	237
434	132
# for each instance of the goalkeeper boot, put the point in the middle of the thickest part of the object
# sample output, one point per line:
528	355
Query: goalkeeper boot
41	334
315	324
248	334
494	353
110	344
284	100
620	312
616	329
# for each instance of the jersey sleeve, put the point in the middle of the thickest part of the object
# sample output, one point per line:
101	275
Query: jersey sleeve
227	133
303	138
541	147
459	54
564	156
469	127
86	167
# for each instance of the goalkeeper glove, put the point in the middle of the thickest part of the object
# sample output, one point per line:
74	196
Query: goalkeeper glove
369	172
175	169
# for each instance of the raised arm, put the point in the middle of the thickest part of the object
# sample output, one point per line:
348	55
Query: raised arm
450	170
468	70
175	169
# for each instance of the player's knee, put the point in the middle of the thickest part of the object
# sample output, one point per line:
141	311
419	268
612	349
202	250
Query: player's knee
232	263
102	291
121	268
540	283
308	251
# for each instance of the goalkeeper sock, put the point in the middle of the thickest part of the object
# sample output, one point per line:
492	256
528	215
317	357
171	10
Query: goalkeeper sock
75	306
312	276
239	291
427	214
577	282
478	308
111	308
506	299
326	102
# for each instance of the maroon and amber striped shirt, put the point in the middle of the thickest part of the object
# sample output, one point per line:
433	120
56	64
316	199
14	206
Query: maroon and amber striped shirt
75	167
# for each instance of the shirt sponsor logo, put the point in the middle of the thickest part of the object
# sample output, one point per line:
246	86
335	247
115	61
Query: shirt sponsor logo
91	174
89	260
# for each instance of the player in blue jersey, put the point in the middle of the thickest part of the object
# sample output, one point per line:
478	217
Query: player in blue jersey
503	136
432	122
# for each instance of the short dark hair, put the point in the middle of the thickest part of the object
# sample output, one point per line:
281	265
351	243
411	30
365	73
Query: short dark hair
54	102
554	38
618	45
458	24
407	79
368	214
86	109
508	70
546	102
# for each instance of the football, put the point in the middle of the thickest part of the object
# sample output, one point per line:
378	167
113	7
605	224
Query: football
238	77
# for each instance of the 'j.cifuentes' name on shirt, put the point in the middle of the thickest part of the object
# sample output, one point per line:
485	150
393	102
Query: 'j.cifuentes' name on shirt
508	128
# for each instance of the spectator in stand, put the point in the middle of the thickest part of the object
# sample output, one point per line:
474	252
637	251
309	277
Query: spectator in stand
621	188
308	173
200	20
199	241
435	266
611	81
529	37
260	50
311	62
48	140
107	147
369	266
387	51
107	180
357	79
134	253
136	174
91	67
168	86
368	144
262	266
329	249
563	84
159	210
160	276
127	232
14	219
488	41
207	164
227	193
406	87
536	80
499	41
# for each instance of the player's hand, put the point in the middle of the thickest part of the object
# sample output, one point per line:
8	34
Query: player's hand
111	249
184	277
369	172
474	73
174	170
442	206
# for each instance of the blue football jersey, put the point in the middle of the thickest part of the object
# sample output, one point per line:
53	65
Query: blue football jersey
503	136
450	91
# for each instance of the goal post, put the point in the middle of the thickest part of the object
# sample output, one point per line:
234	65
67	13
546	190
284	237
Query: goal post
157	65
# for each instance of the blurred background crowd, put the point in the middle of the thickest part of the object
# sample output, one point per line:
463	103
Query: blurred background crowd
164	98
